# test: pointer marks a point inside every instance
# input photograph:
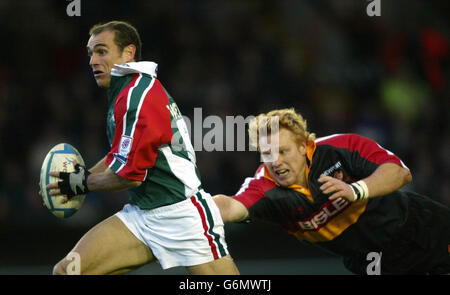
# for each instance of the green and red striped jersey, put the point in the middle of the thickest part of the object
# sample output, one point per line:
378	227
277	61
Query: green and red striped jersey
149	138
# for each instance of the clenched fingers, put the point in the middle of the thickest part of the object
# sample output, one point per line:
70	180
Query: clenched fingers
336	187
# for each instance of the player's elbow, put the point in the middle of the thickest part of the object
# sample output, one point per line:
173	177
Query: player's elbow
397	175
406	176
230	209
223	203
134	183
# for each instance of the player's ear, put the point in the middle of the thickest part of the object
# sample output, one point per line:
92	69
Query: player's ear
302	148
129	52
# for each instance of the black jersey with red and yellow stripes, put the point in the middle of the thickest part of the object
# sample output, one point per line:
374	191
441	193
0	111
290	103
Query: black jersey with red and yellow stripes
339	225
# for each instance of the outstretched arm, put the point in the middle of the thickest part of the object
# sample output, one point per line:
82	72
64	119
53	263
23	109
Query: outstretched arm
230	209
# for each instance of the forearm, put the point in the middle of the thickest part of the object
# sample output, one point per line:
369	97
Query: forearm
386	179
99	167
230	209
108	181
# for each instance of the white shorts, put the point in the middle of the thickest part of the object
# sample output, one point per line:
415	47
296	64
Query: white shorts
186	233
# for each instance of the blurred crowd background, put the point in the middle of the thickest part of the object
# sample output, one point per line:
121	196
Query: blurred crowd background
385	77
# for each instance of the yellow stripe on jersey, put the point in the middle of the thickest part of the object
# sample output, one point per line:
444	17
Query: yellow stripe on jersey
319	229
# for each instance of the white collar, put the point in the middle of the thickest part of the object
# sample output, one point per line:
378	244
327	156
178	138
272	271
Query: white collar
145	67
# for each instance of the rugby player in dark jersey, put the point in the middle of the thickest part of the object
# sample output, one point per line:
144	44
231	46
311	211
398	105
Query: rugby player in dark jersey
341	193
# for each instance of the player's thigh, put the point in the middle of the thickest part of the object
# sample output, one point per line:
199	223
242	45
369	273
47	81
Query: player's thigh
108	248
222	266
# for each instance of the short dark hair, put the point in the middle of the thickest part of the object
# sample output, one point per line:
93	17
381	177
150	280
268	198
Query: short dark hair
125	34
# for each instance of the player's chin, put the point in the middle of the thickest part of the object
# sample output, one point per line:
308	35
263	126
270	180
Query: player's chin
284	182
102	82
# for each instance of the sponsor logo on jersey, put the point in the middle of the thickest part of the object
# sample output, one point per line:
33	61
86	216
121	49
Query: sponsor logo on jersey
325	214
333	168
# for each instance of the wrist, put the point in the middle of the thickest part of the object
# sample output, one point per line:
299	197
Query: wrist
360	190
86	182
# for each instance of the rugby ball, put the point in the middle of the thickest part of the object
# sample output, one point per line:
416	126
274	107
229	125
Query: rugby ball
60	158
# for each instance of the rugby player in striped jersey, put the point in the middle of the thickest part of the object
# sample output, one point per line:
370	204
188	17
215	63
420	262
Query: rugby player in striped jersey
169	217
341	193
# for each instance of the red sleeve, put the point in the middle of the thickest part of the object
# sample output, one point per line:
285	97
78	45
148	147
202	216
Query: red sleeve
366	148
142	126
254	188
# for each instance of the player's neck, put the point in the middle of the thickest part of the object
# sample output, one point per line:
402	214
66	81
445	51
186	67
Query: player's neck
301	179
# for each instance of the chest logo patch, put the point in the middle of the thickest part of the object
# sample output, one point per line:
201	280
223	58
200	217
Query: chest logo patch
337	166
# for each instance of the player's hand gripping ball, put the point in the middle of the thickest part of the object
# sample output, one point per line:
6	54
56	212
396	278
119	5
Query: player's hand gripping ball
61	158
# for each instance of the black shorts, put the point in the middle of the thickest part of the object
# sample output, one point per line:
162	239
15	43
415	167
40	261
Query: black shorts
420	246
